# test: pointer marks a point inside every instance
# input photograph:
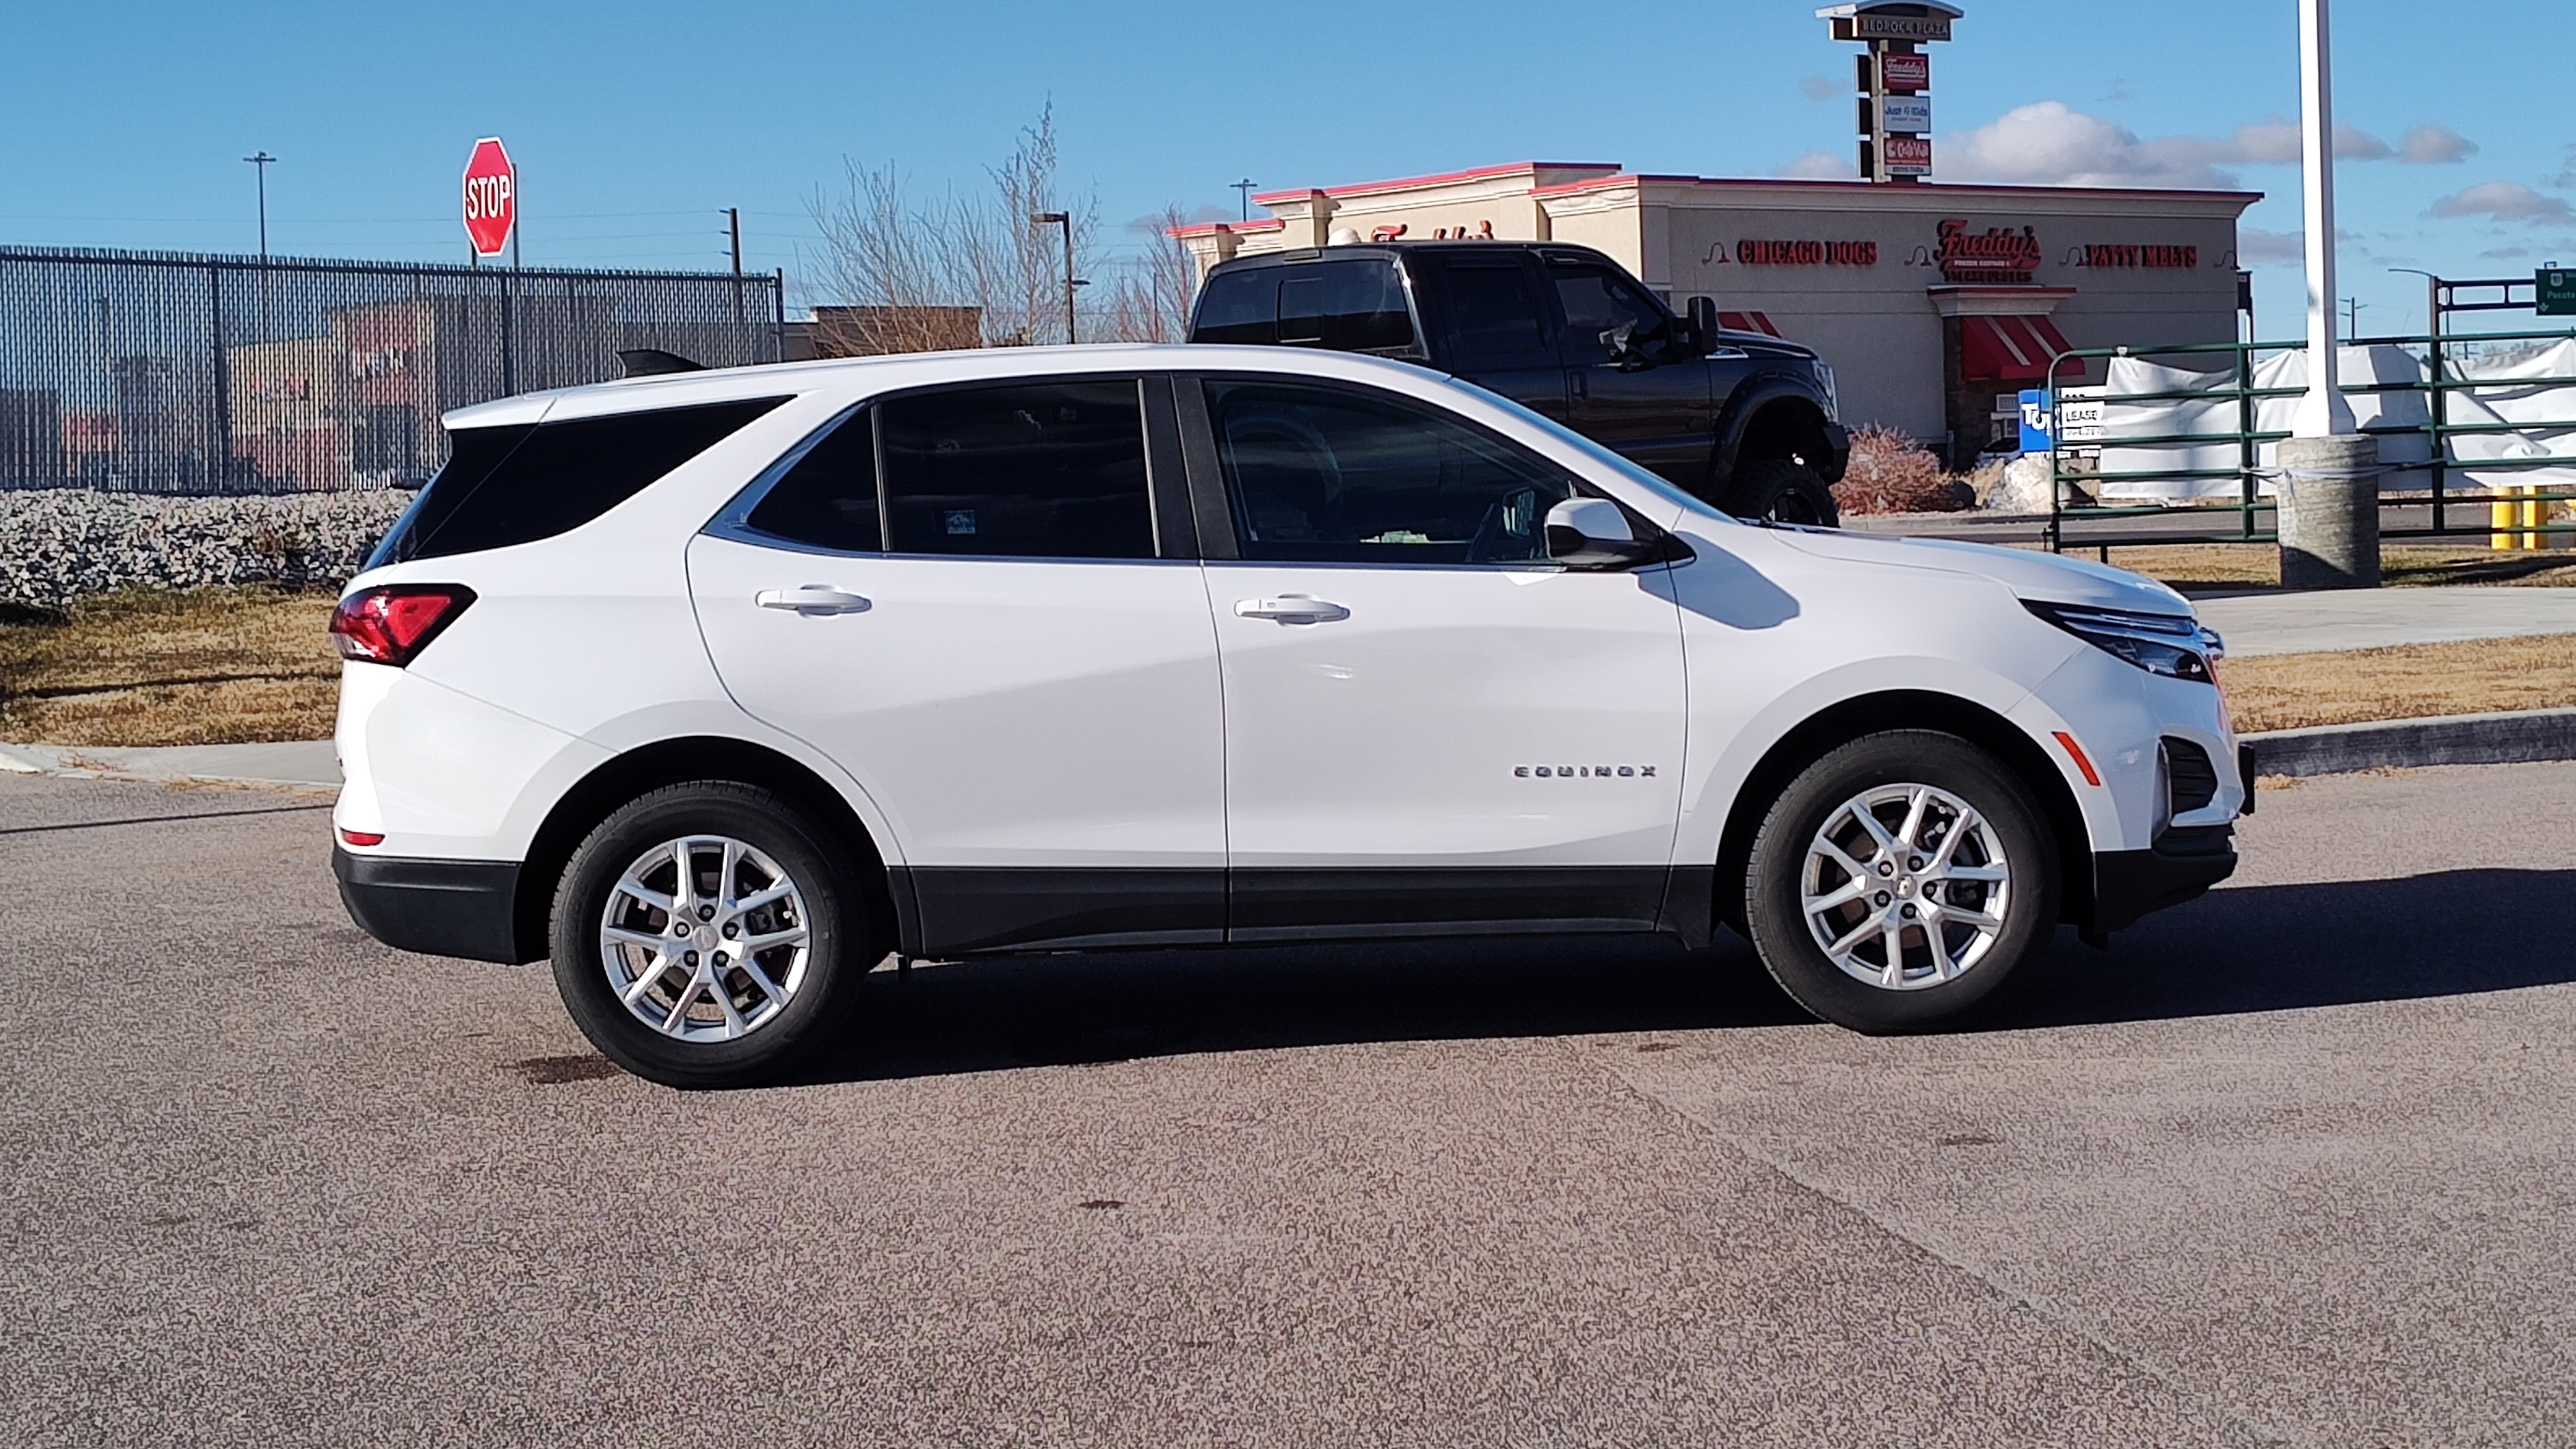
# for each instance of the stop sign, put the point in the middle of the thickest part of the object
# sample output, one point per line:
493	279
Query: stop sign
491	197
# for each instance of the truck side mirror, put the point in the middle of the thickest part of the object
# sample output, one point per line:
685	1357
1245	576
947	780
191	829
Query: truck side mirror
1703	321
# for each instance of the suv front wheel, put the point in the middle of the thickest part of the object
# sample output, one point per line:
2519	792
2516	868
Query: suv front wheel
1898	882
705	935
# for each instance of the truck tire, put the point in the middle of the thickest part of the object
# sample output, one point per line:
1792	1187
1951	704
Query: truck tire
1782	490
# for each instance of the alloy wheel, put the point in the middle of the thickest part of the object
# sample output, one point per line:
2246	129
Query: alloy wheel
1905	886
705	939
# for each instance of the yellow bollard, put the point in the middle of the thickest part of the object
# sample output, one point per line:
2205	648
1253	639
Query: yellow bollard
2519	512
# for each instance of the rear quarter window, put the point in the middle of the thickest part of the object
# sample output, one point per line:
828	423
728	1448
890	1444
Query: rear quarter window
511	485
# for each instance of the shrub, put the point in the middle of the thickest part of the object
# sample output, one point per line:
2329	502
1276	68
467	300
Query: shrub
1891	473
60	544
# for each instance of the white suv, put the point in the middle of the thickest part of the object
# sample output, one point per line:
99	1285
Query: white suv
718	688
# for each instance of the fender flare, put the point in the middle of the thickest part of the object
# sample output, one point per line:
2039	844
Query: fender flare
1745	404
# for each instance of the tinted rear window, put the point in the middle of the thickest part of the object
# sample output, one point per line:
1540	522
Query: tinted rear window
1024	470
1349	306
509	485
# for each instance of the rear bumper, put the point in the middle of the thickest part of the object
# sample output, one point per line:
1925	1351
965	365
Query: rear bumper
2186	861
462	908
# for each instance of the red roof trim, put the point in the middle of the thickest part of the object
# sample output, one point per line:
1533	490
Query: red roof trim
1239	228
1366	188
1935	188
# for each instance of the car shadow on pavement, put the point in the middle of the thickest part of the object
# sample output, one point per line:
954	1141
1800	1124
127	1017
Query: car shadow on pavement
2257	948
2332	943
1068	1010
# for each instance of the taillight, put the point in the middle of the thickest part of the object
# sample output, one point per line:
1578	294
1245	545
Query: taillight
390	623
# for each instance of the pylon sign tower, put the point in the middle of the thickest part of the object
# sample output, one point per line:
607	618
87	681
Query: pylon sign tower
1895	82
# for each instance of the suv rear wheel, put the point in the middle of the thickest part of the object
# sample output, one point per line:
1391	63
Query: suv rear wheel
1898	882
705	935
1783	490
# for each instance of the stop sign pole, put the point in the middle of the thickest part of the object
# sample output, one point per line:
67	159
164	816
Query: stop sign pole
491	222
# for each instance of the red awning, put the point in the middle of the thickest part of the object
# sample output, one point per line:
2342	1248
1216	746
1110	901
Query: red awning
2008	349
1746	322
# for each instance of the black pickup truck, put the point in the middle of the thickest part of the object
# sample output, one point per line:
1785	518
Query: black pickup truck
1742	419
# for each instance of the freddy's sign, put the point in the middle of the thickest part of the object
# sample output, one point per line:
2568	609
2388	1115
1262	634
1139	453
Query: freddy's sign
1997	254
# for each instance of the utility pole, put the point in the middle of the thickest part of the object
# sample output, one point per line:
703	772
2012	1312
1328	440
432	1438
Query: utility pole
262	162
2352	316
1065	220
734	218
1243	193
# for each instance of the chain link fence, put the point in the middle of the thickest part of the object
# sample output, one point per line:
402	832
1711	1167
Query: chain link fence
179	374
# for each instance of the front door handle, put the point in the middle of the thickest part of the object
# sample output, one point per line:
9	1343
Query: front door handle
1291	609
815	600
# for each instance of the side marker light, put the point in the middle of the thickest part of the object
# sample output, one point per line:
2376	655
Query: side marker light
2075	752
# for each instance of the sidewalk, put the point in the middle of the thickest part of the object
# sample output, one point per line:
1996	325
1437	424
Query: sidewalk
2267	623
295	765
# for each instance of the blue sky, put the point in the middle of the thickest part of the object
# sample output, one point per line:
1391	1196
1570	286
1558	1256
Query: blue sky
633	123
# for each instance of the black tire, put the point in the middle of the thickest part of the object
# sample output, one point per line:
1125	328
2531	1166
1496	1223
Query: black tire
1782	490
1776	883
834	919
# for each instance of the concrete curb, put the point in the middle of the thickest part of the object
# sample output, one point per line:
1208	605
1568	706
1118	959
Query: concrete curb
2505	738
302	765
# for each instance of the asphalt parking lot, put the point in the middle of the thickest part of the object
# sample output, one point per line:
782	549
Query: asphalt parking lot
2292	1164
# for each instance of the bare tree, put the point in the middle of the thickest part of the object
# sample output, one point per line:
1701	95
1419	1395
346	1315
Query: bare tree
903	270
1149	299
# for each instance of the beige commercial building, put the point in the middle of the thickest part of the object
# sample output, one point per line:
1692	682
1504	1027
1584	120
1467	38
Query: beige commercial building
1935	303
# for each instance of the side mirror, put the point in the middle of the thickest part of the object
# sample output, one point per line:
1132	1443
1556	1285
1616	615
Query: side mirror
1592	533
1703	321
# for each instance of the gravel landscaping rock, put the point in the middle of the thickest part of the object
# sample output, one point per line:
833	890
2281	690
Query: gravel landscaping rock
58	544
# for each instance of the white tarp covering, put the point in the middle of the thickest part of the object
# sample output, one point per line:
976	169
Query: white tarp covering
2513	389
2220	415
2543	415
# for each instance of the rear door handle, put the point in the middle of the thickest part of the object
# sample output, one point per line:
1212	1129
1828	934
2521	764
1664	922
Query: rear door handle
815	600
1291	609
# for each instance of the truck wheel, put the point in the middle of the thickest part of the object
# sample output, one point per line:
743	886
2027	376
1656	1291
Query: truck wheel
1898	882
705	935
1782	490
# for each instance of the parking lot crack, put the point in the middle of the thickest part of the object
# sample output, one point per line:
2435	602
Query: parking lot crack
2232	1419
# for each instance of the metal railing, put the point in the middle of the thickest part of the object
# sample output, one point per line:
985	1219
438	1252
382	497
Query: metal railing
2436	509
172	373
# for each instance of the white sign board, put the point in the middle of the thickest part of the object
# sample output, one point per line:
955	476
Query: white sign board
1905	113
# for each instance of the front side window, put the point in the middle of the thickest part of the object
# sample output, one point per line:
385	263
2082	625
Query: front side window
1323	475
1596	302
1022	470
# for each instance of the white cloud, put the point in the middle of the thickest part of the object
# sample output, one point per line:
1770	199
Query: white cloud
2256	247
2274	141
2505	201
2433	146
1820	166
2051	144
2506	254
1817	88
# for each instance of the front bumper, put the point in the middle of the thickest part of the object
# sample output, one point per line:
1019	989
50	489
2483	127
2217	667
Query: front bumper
465	908
1837	459
2184	862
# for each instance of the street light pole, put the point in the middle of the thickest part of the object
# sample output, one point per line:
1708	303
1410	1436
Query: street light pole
2323	412
1065	220
262	162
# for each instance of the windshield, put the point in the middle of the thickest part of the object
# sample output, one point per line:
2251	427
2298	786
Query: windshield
1661	486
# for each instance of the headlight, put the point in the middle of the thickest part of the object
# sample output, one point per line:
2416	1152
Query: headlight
1833	402
2173	645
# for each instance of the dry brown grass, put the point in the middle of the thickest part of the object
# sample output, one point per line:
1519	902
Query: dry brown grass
207	667
2288	691
2258	565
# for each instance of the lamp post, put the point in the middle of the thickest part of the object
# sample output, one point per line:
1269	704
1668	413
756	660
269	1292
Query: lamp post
1065	220
2328	496
2432	299
262	162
